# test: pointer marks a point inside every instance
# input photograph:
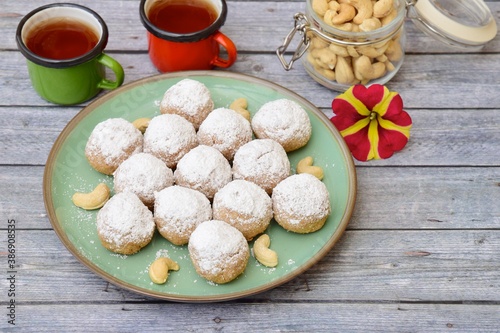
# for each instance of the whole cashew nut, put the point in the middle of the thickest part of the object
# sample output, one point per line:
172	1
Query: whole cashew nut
365	70
382	8
370	24
141	124
305	165
240	105
158	270
394	52
345	14
364	8
93	200
326	58
320	6
263	253
343	71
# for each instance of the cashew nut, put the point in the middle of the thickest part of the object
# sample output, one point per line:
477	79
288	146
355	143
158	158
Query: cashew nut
343	71
334	5
305	165
240	105
364	8
370	24
329	74
141	124
377	58
344	26
382	8
394	51
338	50
93	200
325	57
389	17
345	14
263	253
364	69
320	6
158	270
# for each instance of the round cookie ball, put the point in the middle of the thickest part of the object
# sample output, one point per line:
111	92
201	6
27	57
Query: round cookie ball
124	224
204	169
284	121
219	252
245	206
143	174
178	211
263	162
301	203
169	137
190	99
225	130
112	142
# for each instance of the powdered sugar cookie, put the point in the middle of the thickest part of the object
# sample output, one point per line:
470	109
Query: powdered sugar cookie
263	162
245	206
225	130
204	169
169	137
301	203
111	142
124	224
219	252
190	99
143	174
178	211
284	121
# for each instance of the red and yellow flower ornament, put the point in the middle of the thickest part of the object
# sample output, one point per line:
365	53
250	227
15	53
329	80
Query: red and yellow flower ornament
372	121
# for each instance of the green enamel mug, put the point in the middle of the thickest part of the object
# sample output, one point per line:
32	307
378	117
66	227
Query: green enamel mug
63	44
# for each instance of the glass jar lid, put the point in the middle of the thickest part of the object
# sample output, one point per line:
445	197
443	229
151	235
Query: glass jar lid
461	23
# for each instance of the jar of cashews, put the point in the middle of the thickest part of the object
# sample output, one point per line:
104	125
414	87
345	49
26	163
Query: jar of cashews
347	42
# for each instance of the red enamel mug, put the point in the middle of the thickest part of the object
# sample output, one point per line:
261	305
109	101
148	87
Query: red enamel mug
184	34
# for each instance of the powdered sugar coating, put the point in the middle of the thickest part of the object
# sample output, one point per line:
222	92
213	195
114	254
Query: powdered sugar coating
218	251
245	206
125	224
190	99
263	162
284	121
204	169
169	137
143	174
111	142
225	130
301	203
178	211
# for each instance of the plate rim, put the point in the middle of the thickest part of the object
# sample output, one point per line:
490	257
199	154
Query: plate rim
70	126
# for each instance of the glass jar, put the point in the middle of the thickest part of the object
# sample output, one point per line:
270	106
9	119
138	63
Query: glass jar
340	50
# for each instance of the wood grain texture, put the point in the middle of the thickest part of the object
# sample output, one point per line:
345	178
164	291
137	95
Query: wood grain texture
258	317
420	253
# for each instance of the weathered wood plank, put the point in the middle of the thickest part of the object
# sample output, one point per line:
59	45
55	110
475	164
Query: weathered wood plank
255	317
388	198
255	26
424	81
366	265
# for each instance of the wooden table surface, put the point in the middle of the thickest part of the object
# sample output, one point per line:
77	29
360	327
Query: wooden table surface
420	254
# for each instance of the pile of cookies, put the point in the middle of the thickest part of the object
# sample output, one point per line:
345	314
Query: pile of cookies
211	179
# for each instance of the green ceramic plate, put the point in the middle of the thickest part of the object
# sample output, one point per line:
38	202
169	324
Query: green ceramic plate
67	171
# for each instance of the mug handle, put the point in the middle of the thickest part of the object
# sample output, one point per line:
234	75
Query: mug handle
228	44
115	67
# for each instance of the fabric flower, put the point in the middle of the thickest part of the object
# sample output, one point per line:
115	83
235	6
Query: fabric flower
372	121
